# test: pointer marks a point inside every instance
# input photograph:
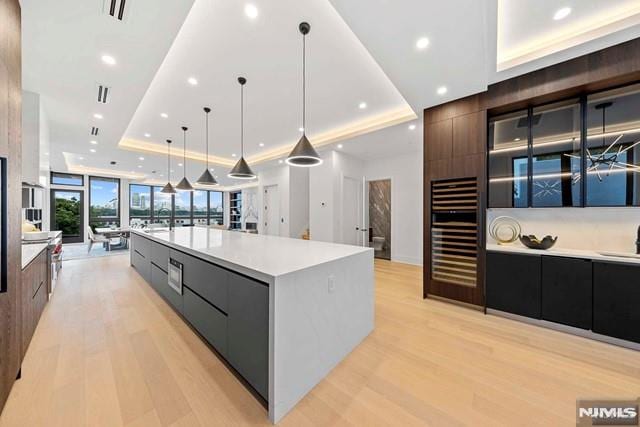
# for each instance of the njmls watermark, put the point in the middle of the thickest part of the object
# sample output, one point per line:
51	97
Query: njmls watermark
607	412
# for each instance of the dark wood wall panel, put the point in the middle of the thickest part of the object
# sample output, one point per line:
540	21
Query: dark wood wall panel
455	147
605	68
10	147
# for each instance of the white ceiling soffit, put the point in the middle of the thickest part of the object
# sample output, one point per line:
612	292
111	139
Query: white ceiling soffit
218	43
529	38
456	55
63	44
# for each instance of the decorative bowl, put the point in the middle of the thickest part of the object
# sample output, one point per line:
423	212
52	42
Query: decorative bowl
504	230
532	242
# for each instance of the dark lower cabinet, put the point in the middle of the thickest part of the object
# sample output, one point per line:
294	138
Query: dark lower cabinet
616	300
248	331
566	291
210	322
160	282
513	283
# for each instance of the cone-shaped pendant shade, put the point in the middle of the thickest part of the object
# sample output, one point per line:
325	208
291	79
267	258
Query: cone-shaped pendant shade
241	170
184	185
168	189
206	178
303	154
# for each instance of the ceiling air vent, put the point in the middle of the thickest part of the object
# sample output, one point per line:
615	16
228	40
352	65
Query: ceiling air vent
115	9
104	94
94	130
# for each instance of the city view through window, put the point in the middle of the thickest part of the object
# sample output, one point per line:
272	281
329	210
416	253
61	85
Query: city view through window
104	202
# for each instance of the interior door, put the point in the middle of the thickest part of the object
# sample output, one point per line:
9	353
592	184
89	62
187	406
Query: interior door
353	228
271	211
67	214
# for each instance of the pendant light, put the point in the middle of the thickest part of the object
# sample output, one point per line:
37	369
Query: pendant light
206	178
241	170
303	154
184	184
168	189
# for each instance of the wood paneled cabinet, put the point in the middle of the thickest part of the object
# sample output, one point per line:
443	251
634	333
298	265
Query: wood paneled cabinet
35	280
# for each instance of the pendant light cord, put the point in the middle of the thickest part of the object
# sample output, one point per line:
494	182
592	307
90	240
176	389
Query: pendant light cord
184	152
304	83
207	138
169	160
241	120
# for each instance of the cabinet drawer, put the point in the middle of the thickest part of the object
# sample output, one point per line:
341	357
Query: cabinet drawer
141	245
142	265
209	322
207	280
160	281
160	255
248	331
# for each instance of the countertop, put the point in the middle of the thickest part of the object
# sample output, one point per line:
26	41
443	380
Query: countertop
270	255
565	252
31	251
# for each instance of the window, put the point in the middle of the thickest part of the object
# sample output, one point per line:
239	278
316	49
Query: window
140	202
216	207
104	202
161	205
183	207
200	206
58	178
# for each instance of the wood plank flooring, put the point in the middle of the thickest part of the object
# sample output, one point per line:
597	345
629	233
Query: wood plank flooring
109	352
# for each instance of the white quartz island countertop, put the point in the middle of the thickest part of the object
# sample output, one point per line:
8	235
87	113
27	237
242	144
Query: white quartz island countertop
320	299
269	256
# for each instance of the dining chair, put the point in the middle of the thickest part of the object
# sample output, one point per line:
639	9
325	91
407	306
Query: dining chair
93	238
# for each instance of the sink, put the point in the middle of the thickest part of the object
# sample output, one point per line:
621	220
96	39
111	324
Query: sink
620	254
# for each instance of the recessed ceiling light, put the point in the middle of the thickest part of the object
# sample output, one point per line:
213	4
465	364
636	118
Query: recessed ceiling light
108	59
80	158
441	90
279	161
562	13
233	155
251	11
93	142
98	116
412	127
180	164
164	115
422	43
261	144
93	150
147	135
192	81
301	129
339	145
140	158
46	154
139	166
362	105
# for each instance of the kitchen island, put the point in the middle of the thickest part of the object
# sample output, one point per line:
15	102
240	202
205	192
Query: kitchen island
282	312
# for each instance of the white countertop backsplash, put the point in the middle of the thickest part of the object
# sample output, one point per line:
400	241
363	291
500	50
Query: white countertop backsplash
581	229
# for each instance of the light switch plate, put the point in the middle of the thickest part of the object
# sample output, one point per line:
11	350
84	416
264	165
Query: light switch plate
331	284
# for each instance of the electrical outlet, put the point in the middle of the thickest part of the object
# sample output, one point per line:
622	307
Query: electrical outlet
331	284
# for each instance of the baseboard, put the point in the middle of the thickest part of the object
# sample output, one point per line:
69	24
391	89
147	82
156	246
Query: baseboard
407	260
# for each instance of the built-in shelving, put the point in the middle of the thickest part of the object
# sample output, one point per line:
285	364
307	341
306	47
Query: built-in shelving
235	210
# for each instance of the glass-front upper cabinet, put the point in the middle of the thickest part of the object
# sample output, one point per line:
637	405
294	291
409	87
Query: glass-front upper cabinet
613	148
508	161
556	155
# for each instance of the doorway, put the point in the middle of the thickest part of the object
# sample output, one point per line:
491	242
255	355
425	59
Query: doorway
67	214
271	211
353	230
380	218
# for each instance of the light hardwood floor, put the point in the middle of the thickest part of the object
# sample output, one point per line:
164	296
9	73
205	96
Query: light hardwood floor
108	351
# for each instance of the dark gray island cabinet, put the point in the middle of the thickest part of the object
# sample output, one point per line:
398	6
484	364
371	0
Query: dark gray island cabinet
281	312
594	297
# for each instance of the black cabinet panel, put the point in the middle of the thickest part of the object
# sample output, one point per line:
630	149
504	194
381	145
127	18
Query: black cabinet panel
160	256
207	280
616	300
248	331
160	281
209	322
513	283
567	291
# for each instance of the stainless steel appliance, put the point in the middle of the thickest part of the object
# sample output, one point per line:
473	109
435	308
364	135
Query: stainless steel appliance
175	275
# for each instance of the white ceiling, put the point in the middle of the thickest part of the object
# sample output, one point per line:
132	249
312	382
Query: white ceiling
359	51
63	42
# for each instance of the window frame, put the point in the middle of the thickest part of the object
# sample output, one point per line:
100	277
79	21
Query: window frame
53	174
118	217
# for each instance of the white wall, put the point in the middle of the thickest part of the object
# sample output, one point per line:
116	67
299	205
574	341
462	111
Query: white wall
321	200
405	172
275	176
298	201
